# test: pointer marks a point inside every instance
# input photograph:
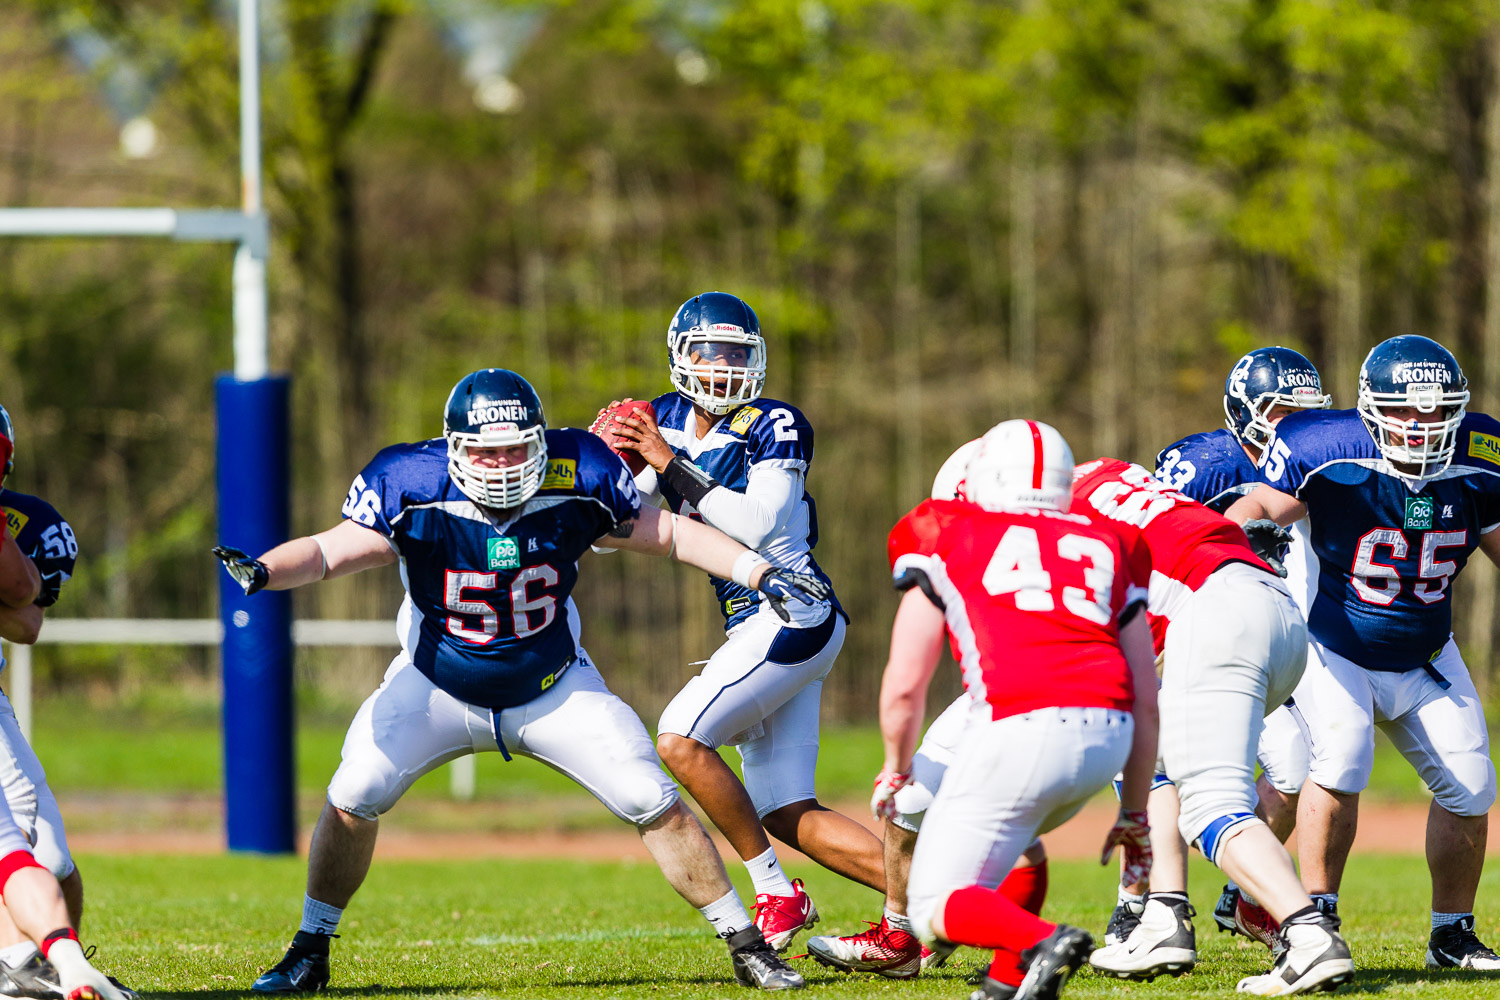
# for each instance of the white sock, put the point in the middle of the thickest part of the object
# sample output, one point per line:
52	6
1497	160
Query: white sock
727	914
1438	920
1231	885
1124	897
765	872
67	958
319	918
898	921
18	955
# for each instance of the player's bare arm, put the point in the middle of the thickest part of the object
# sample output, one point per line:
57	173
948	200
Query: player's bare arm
1135	641
661	533
1267	502
1489	544
21	625
20	583
346	548
916	646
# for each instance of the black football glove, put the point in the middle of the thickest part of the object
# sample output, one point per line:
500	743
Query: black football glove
51	588
250	574
1270	541
782	585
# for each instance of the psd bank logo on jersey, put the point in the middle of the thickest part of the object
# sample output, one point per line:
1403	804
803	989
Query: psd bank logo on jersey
1419	511
504	553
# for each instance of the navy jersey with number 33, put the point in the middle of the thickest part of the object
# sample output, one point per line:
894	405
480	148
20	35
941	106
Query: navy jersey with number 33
488	617
1388	547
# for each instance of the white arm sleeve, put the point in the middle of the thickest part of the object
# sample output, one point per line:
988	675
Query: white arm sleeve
753	517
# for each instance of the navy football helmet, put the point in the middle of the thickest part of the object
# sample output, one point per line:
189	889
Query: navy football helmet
9	431
717	354
1420	374
1265	378
495	408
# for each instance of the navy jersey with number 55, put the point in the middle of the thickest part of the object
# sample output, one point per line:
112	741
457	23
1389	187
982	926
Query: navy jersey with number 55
488	617
1388	547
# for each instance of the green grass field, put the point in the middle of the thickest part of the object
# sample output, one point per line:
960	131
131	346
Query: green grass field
581	929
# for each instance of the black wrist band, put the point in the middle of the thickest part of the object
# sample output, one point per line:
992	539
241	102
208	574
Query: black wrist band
688	480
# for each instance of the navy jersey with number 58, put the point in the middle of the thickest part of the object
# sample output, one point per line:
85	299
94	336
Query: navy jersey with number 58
1388	547
488	617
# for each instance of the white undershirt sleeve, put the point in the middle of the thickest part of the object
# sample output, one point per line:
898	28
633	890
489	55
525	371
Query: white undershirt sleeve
753	517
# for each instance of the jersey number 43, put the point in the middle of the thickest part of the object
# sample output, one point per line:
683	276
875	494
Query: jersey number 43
1017	568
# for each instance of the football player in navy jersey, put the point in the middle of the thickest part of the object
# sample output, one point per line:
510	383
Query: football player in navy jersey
719	452
488	523
1216	468
1398	494
39	951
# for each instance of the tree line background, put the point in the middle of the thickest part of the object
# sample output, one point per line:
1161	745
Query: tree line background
945	212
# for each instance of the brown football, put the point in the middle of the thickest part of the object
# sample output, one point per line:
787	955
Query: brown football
604	426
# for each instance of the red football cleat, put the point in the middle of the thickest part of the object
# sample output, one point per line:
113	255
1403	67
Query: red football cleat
1254	922
781	917
882	950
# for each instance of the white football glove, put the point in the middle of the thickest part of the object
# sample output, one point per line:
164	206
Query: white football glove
883	802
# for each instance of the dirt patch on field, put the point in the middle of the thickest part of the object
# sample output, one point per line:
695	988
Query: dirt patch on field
1384	829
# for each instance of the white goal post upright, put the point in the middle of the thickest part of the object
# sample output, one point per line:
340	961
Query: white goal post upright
252	477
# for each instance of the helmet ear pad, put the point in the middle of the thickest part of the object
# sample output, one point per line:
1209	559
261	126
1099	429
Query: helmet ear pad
495	409
1020	464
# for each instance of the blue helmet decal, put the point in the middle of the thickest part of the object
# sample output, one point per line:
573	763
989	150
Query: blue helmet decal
1265	378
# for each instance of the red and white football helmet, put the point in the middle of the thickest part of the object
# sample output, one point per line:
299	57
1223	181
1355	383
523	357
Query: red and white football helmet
1020	463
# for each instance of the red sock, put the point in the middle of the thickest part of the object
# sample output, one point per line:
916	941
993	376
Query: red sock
1026	887
61	934
985	918
1007	967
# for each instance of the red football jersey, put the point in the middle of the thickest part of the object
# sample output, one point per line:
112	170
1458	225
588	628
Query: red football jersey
1185	539
1032	601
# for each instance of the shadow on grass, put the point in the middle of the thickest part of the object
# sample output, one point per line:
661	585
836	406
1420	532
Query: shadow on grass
1379	978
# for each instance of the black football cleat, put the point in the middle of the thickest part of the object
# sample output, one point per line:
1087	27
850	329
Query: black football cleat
35	978
304	968
1051	961
756	963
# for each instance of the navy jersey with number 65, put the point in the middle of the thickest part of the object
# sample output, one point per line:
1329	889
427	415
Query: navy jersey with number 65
488	617
1388	547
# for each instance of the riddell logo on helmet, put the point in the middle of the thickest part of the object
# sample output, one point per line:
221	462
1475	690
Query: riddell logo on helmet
726	328
1425	372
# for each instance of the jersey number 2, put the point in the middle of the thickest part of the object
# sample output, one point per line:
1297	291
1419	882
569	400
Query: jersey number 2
456	582
1016	568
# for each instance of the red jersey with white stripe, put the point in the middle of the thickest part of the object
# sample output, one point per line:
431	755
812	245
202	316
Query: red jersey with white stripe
1185	539
1032	600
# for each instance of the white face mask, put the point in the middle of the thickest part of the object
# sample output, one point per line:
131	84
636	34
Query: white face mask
505	486
707	371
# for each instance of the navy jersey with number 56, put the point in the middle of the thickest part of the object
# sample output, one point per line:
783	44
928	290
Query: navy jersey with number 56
488	617
1388	547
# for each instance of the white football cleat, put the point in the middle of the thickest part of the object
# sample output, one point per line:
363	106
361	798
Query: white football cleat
1316	958
1163	943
